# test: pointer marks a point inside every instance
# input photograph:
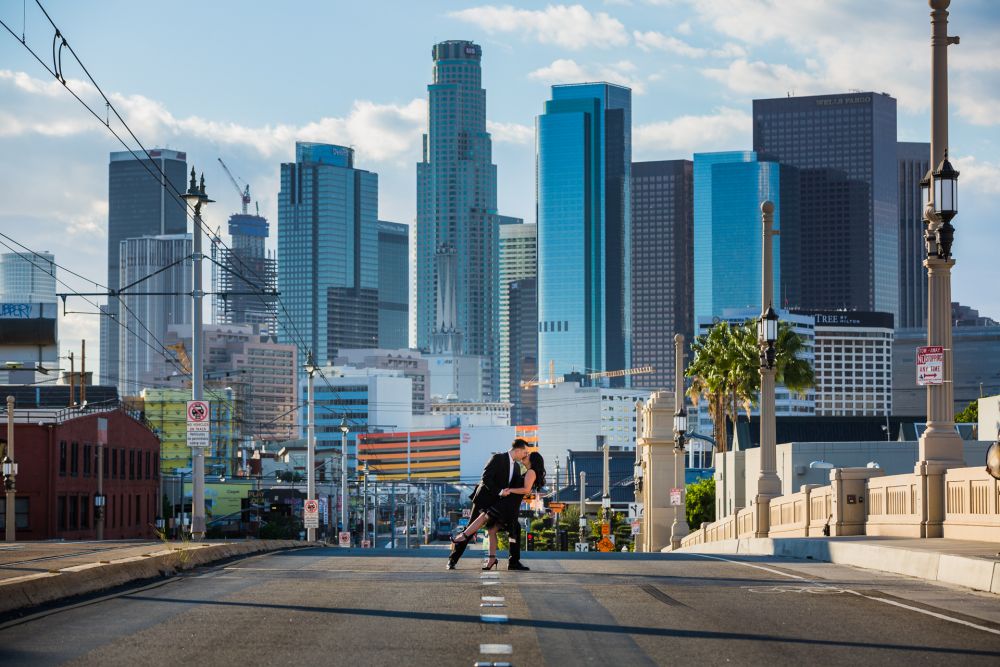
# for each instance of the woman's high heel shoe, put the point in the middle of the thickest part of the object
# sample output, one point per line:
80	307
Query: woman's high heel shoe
490	564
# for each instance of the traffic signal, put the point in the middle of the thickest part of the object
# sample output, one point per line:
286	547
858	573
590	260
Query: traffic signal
531	542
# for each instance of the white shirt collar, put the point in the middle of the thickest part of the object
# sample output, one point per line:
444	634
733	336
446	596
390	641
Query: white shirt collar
510	475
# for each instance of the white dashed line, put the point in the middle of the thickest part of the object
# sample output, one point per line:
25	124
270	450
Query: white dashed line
496	649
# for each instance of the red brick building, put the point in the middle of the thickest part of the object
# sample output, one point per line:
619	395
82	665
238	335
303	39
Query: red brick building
57	454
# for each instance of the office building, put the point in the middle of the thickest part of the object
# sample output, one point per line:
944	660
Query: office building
522	345
27	277
845	148
518	260
913	164
245	276
393	285
165	260
410	363
662	266
584	234
165	412
456	279
327	252
728	191
29	343
142	201
852	363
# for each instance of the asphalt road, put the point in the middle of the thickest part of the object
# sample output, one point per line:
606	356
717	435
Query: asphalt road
330	607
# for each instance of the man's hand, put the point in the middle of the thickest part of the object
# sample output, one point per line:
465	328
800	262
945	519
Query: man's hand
504	493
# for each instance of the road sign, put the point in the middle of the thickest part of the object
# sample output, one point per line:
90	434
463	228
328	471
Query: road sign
467	513
636	527
198	424
557	507
676	497
344	539
366	544
102	430
605	529
605	545
930	365
635	510
582	546
311	514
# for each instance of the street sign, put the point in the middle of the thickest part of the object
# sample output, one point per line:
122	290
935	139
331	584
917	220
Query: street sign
930	365
467	513
605	545
557	507
582	546
605	529
345	539
635	510
310	513
676	497
366	544
102	430
636	527
198	424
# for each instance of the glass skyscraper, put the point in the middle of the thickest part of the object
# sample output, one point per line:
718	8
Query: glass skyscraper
27	277
328	252
914	161
393	285
584	235
142	201
845	147
729	188
455	289
518	260
662	266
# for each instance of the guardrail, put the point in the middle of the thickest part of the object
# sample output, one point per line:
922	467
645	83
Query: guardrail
972	505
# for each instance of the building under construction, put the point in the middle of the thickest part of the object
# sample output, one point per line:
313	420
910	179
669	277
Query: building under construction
244	276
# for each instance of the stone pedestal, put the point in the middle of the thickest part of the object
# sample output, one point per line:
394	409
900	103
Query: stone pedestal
657	449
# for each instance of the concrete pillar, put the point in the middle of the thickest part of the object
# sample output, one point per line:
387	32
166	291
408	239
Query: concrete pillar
657	443
768	483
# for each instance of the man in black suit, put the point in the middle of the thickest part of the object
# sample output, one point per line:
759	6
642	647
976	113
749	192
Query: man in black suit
501	471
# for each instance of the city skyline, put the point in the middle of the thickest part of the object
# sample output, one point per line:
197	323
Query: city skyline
693	69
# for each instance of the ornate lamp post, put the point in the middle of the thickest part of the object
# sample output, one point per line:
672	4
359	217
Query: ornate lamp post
344	428
940	447
10	476
679	527
768	484
310	369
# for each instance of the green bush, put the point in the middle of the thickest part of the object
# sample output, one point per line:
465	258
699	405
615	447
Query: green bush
281	528
699	502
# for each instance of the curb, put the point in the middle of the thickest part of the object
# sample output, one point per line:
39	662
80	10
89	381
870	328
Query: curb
162	561
979	574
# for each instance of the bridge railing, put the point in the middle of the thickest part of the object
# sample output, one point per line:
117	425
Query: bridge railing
892	506
972	504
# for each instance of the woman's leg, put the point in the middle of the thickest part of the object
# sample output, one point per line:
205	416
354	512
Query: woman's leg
493	540
470	530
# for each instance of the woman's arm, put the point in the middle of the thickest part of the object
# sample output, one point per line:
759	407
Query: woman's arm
529	481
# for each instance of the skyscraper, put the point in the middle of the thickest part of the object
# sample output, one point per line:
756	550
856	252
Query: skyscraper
456	239
145	319
393	285
914	162
522	346
662	266
518	260
729	188
328	251
845	146
27	277
584	235
142	201
248	272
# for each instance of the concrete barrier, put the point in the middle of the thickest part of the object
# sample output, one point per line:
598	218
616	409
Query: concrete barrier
35	589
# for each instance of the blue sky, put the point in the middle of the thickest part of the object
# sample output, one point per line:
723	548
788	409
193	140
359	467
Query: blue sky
244	80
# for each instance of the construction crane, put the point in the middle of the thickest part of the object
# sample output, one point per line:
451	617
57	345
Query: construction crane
182	355
244	192
553	380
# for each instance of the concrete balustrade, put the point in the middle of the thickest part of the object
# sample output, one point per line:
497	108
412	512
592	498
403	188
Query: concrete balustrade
790	514
820	509
972	505
893	507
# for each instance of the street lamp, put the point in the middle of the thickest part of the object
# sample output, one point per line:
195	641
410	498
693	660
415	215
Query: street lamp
9	472
310	368
680	428
768	483
195	197
9	475
344	428
767	336
945	204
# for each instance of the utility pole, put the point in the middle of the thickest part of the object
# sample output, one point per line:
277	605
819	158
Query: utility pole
83	371
581	540
679	527
9	474
406	509
606	492
99	500
310	369
344	428
364	504
196	197
72	380
768	484
392	514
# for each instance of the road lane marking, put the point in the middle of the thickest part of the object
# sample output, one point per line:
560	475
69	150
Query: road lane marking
926	612
493	598
490	582
496	649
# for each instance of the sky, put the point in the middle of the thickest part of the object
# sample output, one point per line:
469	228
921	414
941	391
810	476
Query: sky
243	80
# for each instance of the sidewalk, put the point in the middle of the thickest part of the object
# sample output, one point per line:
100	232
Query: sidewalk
965	563
32	573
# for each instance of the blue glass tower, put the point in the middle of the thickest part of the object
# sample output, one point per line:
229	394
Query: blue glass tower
455	291
728	190
584	236
328	251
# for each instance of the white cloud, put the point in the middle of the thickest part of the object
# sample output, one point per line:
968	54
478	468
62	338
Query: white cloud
726	129
684	28
980	176
569	26
760	78
510	133
657	41
566	70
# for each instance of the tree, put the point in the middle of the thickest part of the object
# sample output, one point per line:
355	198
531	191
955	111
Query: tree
699	502
970	414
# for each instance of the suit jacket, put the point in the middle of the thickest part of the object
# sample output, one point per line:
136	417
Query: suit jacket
496	476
